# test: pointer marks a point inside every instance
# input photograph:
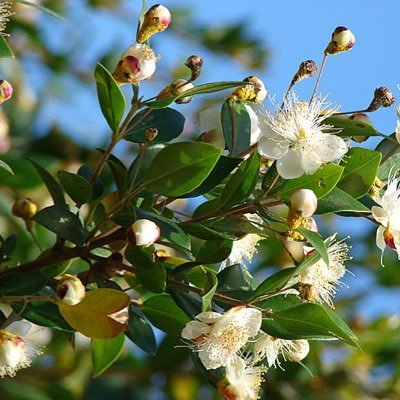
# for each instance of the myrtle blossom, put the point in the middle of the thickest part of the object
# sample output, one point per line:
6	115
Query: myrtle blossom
242	380
297	139
388	215
323	278
219	337
16	352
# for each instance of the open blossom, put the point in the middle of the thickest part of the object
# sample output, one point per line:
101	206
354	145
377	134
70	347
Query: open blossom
242	380
297	138
15	351
322	278
219	337
388	215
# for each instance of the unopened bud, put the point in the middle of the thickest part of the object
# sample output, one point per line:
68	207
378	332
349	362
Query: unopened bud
156	19
143	233
383	97
136	64
362	121
307	292
307	69
194	63
255	90
6	91
342	39
70	289
177	87
298	352
24	208
302	204
151	134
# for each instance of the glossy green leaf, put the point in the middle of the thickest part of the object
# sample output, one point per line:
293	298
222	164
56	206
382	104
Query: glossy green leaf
233	279
180	168
274	282
77	187
214	251
351	127
163	313
105	352
61	221
321	183
360	168
6	167
30	282
204	232
52	185
209	289
316	241
5	51
168	122
111	99
272	177
140	331
208	207
236	126
339	201
241	183
199	89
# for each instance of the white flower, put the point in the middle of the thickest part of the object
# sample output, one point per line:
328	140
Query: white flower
269	348
143	233
388	215
297	138
136	64
243	380
219	337
15	352
210	120
321	277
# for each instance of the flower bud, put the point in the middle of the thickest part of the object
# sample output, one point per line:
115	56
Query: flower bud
6	91
156	19
194	63
302	204
136	64
307	69
383	97
299	351
143	233
362	121
70	289
177	87
24	208
151	134
255	90
342	40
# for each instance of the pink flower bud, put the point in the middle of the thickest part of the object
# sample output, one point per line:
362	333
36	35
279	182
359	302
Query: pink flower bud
6	91
342	39
143	233
155	20
136	64
70	289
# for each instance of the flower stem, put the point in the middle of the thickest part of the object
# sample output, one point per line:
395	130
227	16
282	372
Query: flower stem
319	76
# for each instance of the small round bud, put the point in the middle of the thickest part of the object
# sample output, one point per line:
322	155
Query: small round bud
255	90
156	19
143	233
70	289
177	87
307	292
303	202
151	134
299	352
194	63
342	39
362	121
383	97
136	64
307	69
24	208
6	91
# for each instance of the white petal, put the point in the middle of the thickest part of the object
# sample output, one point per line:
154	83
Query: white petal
310	162
19	328
10	354
194	329
380	241
208	362
255	129
329	147
272	145
235	369
209	316
210	118
398	132
289	166
380	215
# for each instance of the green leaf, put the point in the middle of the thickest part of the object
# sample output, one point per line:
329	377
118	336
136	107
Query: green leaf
52	185
204	232
214	251
17	284
61	221
316	241
41	8
360	168
199	89
236	125
233	279
274	282
180	168
321	182
272	177
351	127
241	183
208	291
111	99
163	313
77	187
105	352
168	122
339	201
222	169
140	331
5	51
6	167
